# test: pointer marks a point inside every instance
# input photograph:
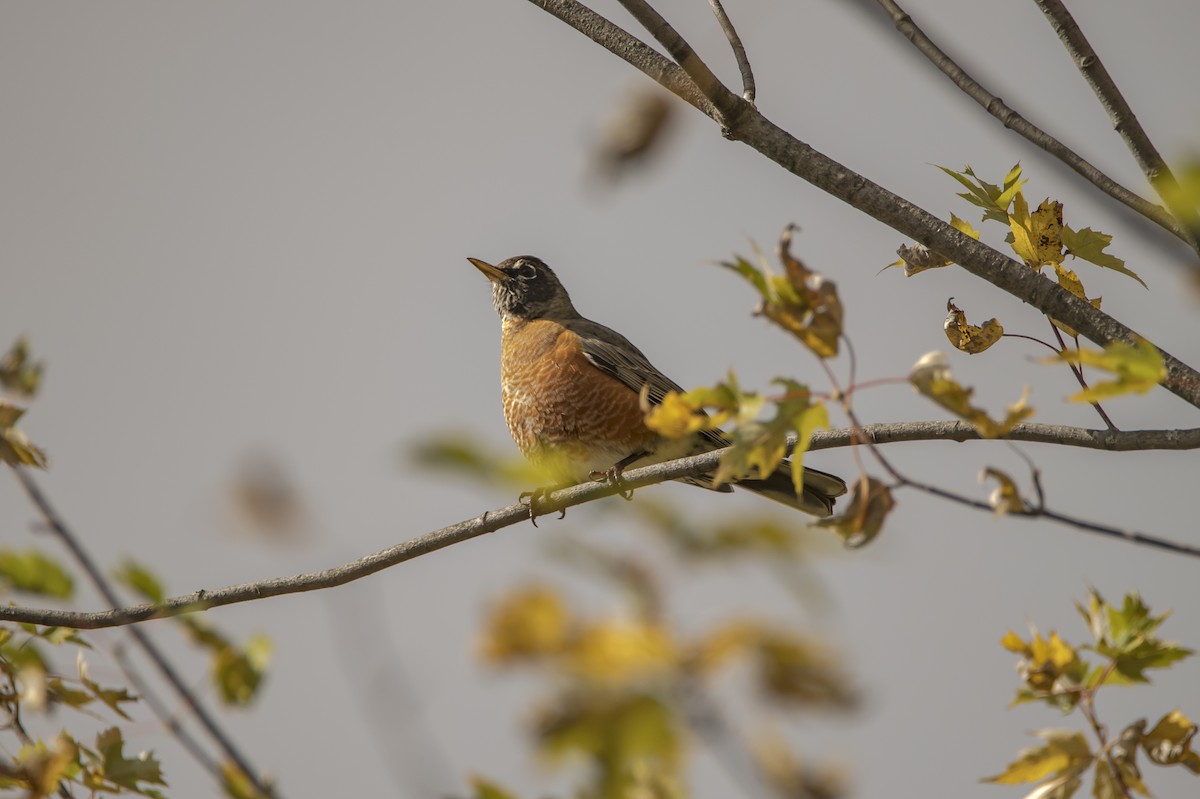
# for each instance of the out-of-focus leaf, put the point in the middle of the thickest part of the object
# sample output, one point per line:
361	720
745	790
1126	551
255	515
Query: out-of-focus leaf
1064	753
19	374
1127	635
1169	743
1005	498
637	129
486	789
238	673
15	447
615	730
237	785
972	339
110	767
39	767
931	377
113	697
621	652
861	521
1050	668
34	573
138	577
530	623
1137	368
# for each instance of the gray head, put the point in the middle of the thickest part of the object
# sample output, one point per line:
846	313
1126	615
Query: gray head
525	288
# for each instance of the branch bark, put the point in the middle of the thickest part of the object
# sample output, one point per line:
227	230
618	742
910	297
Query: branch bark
492	521
1125	122
1014	121
753	129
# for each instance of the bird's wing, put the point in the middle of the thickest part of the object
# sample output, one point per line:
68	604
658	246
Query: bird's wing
613	354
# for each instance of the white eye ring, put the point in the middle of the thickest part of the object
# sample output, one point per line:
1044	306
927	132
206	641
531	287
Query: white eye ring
526	270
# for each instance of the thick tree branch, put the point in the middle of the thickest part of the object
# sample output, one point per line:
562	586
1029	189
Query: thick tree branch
1016	122
739	50
753	129
492	521
1125	122
206	719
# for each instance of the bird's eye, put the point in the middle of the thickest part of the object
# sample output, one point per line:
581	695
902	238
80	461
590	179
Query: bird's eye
526	270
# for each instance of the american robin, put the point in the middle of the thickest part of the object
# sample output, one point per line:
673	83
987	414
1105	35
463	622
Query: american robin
572	387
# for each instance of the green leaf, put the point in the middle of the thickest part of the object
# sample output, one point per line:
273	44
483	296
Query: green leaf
115	769
34	573
140	579
15	447
1090	244
18	373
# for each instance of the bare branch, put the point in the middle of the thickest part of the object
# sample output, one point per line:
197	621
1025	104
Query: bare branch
739	50
206	719
1016	122
637	53
1124	121
492	521
753	129
728	105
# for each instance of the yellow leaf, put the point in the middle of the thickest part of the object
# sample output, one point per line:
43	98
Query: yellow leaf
675	417
863	517
15	447
1069	280
529	623
918	257
802	302
1005	498
1037	237
718	647
1064	753
18	373
969	338
621	651
1137	367
1170	741
931	377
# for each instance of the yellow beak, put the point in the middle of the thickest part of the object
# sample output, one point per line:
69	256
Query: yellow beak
490	272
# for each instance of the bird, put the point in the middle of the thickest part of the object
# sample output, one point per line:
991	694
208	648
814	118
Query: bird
572	392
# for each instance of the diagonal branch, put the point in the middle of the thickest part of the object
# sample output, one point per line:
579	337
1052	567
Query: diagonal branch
756	131
206	719
1016	122
492	521
1124	121
739	50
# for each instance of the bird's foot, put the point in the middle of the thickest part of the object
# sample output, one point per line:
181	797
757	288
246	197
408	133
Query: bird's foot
612	476
536	498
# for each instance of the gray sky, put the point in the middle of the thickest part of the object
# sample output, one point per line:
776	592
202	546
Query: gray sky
234	228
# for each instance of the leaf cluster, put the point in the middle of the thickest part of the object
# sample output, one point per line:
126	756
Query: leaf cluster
1124	647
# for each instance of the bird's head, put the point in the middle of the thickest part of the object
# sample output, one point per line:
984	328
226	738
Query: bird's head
525	288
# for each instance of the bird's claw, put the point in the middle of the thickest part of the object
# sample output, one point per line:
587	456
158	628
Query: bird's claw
535	498
612	476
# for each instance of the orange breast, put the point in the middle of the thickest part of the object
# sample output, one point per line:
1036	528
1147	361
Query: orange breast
563	412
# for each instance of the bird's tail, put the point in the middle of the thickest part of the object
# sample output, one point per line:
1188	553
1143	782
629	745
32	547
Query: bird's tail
820	489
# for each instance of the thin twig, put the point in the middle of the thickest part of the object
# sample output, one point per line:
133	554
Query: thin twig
1014	121
168	719
1077	370
728	105
757	132
1124	121
71	542
491	521
739	50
